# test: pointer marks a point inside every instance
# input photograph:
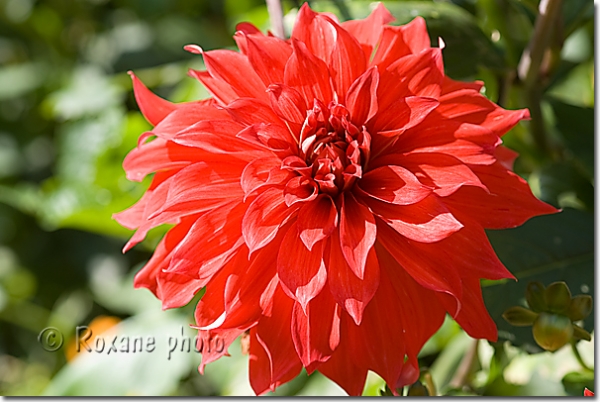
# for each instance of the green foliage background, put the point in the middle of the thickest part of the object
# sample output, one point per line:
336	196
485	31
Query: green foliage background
68	118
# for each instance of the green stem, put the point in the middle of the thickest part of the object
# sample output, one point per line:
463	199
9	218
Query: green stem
530	67
578	357
429	384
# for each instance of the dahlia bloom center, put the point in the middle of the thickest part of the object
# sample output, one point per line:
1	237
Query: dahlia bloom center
332	150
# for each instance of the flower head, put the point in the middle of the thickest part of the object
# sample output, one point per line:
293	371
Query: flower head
331	196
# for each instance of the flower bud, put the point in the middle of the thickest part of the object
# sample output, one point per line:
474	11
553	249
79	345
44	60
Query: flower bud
417	389
552	331
580	307
557	297
519	316
535	296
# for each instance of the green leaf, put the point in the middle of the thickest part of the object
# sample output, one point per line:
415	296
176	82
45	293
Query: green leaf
576	126
547	249
575	382
563	184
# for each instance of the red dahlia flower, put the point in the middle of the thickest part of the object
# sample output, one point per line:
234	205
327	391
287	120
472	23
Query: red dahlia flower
331	197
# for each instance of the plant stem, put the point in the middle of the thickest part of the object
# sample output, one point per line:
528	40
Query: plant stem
530	66
466	366
531	60
579	359
429	384
276	16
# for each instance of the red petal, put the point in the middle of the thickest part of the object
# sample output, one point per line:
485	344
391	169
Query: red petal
341	366
157	155
219	137
421	311
187	115
357	233
469	106
148	275
220	90
267	55
419	74
446	173
427	221
400	116
451	85
508	204
393	184
176	290
505	156
468	143
349	291
301	271
318	34
379	343
316	330
210	243
426	263
473	316
265	215
300	189
347	60
248	111
154	108
202	186
287	103
248	28
235	69
399	41
368	31
308	75
317	220
273	358
361	100
275	138
215	344
256	174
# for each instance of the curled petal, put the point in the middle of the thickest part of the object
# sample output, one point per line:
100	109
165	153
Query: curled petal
234	69
265	215
508	203
426	221
316	330
352	293
273	358
357	233
300	189
423	265
287	103
394	184
153	107
266	54
308	74
317	220
362	97
368	31
301	271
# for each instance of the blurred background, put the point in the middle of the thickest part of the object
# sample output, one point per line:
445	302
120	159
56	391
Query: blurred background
68	118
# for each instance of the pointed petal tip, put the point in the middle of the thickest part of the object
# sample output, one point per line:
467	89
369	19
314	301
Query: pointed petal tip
194	49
